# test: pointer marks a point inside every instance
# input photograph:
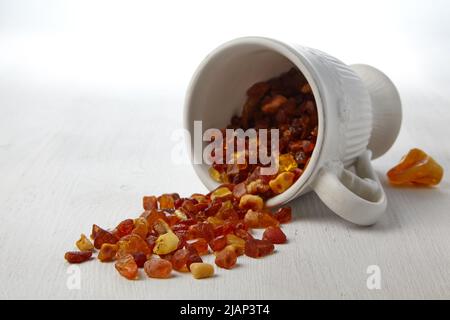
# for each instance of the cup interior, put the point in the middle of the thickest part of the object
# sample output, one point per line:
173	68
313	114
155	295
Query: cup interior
218	90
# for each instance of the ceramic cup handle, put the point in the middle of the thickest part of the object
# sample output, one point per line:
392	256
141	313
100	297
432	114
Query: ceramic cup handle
357	197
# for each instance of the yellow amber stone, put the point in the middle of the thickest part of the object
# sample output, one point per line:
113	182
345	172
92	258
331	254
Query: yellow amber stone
213	173
286	162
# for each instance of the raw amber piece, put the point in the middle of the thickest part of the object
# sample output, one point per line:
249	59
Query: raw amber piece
282	182
237	243
200	245
158	268
259	219
218	243
153	215
286	162
124	228
166	243
250	201
166	201
283	215
77	256
193	257
102	236
203	230
201	270
274	235
150	202
226	258
127	267
84	244
133	244
140	227
416	168
140	259
107	252
221	193
161	227
179	259
216	175
258	248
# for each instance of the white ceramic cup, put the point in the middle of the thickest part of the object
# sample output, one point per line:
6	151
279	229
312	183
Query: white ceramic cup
358	107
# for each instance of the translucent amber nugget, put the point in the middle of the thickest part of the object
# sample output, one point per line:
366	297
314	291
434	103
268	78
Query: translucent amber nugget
416	168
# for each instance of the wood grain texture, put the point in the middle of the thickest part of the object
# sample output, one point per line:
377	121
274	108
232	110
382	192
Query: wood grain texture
70	157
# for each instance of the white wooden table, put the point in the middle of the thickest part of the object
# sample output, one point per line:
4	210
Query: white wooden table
83	138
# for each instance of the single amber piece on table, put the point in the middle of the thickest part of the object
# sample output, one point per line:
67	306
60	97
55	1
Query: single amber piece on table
274	235
84	244
77	256
250	201
282	182
416	168
124	228
259	219
286	162
140	259
150	202
158	268
200	245
107	252
127	267
166	201
237	243
258	248
101	236
283	215
179	259
226	258
201	270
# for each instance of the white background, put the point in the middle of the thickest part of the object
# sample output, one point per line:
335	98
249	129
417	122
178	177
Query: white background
91	91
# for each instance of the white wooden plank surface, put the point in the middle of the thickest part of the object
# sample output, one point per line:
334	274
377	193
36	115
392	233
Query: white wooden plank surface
77	150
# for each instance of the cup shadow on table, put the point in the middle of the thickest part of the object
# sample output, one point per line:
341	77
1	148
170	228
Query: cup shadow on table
310	208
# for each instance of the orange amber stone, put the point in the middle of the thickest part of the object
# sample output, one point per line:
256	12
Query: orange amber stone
226	258
416	168
127	267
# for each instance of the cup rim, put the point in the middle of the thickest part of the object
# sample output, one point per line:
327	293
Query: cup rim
301	62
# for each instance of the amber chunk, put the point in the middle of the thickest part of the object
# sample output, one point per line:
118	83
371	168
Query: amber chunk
124	228
150	202
179	259
274	235
102	236
166	201
77	256
200	245
158	268
84	244
258	248
201	270
416	168
283	215
107	252
226	258
259	219
140	259
127	267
